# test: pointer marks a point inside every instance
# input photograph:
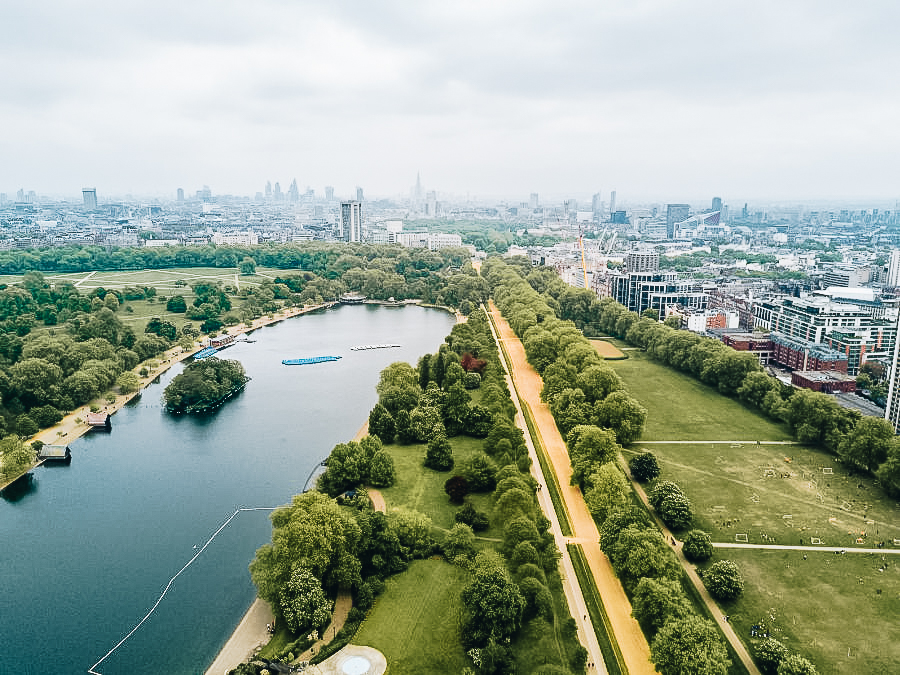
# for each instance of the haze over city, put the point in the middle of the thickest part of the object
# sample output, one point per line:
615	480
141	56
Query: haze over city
656	99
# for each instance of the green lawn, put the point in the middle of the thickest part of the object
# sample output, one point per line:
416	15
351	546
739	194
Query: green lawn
420	489
415	623
781	494
757	486
820	608
682	408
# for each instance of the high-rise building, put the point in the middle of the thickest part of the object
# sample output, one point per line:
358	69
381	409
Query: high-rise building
329	193
180	194
351	221
533	200
716	203
612	202
892	407
676	213
359	194
90	198
893	273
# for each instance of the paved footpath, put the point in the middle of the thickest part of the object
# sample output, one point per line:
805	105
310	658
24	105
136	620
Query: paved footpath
627	632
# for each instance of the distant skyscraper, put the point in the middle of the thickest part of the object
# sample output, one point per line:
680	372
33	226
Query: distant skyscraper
329	193
676	213
359	194
597	204
893	273
90	198
294	191
20	195
717	204
612	202
180	194
268	189
277	192
351	221
418	193
533	200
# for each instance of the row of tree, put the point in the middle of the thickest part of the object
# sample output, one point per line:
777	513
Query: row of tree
579	388
862	442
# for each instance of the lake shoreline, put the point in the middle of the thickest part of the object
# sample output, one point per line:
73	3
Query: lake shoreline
251	632
72	426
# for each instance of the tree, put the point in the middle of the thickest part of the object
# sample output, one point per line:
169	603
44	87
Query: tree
439	454
381	424
656	601
303	602
624	415
247	266
381	470
867	444
460	542
480	470
312	531
456	488
723	580
608	491
15	456
590	447
689	645
128	382
176	304
697	546
796	665
413	530
493	603
769	655
671	504
644	467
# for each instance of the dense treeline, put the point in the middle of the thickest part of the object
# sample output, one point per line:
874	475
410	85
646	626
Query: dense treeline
508	600
579	388
90	350
680	640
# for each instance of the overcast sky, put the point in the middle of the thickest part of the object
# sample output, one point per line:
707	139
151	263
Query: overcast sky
660	100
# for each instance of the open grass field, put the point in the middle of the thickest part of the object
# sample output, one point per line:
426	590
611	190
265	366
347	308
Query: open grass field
415	623
754	490
164	280
682	408
779	494
819	608
608	350
420	489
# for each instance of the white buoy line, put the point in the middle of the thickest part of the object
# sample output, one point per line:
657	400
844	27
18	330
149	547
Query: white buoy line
92	670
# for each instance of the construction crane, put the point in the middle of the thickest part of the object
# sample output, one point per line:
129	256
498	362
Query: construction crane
581	246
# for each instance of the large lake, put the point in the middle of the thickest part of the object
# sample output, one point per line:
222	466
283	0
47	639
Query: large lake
88	548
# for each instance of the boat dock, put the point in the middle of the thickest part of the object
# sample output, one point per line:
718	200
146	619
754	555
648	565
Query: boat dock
360	348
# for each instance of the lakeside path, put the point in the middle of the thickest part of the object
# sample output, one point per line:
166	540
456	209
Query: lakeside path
627	632
73	425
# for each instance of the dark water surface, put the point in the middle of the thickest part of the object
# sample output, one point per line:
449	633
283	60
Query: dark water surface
88	548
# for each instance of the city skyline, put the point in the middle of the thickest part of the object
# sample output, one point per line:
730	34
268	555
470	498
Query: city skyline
663	101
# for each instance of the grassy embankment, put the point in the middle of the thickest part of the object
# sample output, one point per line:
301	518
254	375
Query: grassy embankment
836	610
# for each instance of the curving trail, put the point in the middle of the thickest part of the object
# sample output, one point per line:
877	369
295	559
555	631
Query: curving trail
628	634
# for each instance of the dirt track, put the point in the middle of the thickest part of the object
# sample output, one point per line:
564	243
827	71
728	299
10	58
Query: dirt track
632	643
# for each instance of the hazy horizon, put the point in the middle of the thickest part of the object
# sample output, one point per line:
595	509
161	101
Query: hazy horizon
661	101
